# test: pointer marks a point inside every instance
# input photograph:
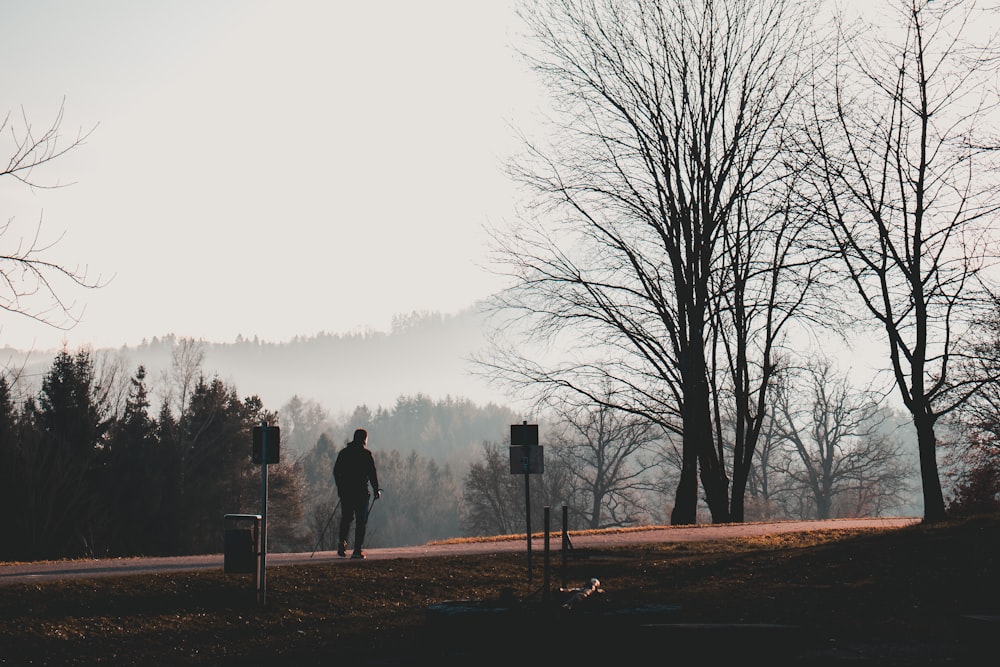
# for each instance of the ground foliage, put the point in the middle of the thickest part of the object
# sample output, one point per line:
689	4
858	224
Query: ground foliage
907	596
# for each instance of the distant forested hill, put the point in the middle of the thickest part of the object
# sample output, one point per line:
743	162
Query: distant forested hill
424	353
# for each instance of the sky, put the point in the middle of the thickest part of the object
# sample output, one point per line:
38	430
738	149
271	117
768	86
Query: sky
262	169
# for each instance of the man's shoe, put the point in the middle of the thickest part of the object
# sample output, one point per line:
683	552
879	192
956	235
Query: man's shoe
358	554
342	549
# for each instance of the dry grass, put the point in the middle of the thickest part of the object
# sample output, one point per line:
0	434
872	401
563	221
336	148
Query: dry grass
877	597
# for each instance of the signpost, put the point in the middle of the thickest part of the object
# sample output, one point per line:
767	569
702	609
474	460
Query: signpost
526	457
266	449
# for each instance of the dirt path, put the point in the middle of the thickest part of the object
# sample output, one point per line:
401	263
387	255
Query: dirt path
30	572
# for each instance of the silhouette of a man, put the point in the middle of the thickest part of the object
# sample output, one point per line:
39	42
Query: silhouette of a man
352	472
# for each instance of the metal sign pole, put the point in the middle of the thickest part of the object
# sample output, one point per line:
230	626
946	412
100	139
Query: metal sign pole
526	458
262	583
527	508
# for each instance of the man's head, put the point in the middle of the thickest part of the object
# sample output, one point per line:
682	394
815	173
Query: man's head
360	436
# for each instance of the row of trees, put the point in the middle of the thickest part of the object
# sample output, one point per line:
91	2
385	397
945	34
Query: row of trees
422	449
721	183
827	451
89	470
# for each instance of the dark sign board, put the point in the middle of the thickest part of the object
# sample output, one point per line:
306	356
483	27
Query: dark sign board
527	460
273	443
523	434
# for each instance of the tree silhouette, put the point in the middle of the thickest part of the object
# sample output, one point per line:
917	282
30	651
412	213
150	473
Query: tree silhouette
664	164
905	177
837	454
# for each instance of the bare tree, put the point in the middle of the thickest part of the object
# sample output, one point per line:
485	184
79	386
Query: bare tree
30	284
670	122
113	380
603	451
773	273
838	454
303	421
762	505
494	497
187	358
909	190
764	482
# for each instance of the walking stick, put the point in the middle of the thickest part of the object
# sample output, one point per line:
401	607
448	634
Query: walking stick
377	495
368	512
323	532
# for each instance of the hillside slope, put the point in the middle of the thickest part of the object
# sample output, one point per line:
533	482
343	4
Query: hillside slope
425	354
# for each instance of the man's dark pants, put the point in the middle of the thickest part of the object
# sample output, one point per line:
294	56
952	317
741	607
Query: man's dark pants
354	508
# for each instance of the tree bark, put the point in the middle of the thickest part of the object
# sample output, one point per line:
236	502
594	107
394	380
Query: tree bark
934	509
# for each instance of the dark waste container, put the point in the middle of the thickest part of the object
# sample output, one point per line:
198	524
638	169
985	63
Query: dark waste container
240	547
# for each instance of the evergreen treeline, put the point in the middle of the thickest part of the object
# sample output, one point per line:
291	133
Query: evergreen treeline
85	476
91	469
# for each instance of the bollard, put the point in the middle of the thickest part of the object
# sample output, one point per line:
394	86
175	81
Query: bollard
545	579
565	543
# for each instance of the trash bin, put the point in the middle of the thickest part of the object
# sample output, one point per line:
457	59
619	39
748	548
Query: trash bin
241	543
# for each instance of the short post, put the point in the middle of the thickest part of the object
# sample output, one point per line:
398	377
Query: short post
565	543
546	592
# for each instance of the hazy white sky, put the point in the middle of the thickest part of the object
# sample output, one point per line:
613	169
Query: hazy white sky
264	168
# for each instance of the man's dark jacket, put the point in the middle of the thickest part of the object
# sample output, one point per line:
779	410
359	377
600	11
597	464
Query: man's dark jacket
353	470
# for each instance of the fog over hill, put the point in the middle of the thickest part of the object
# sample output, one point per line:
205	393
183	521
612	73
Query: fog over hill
423	354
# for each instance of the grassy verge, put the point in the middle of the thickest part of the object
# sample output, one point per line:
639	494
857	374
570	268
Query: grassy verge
917	595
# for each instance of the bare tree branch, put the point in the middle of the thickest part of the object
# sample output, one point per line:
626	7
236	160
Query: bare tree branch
30	284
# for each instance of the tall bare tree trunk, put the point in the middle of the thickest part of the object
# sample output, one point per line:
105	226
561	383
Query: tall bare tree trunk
934	509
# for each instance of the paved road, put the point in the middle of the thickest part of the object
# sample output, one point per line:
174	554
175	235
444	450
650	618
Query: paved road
31	572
